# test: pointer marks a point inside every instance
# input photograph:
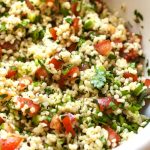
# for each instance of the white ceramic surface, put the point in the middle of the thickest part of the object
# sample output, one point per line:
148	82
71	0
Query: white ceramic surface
142	140
144	8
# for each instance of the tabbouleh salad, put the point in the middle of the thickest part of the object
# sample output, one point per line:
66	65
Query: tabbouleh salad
71	76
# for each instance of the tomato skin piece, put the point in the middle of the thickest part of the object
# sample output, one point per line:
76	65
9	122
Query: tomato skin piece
11	73
72	71
68	121
46	122
104	103
11	143
41	73
48	1
131	56
69	76
53	33
72	47
130	75
147	82
55	123
22	85
30	103
74	8
29	4
57	63
118	40
75	24
112	134
0	52
1	120
103	47
8	45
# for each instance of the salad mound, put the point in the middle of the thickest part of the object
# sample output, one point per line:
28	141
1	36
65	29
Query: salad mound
71	76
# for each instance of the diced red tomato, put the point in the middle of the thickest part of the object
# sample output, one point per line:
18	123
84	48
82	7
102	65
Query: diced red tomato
104	103
55	123
73	72
74	6
112	135
53	33
25	101
46	122
11	143
75	24
41	73
48	1
0	52
103	47
72	47
1	120
8	45
130	75
57	63
70	75
68	122
11	73
29	4
24	82
118	40
147	82
131	56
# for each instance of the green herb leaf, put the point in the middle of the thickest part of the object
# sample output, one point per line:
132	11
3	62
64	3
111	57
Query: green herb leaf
132	65
138	89
35	84
22	59
81	41
3	96
139	16
148	72
112	56
48	118
13	68
43	65
143	95
112	105
66	69
99	79
64	11
24	23
3	26
49	91
69	20
135	107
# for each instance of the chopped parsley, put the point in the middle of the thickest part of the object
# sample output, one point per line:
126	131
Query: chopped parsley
101	77
48	91
66	69
13	68
138	16
3	96
148	71
43	65
69	20
24	23
3	26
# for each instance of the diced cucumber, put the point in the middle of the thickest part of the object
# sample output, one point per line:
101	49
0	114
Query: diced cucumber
88	24
138	90
36	119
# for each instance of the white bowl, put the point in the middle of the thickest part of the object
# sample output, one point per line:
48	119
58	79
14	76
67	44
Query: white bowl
142	140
